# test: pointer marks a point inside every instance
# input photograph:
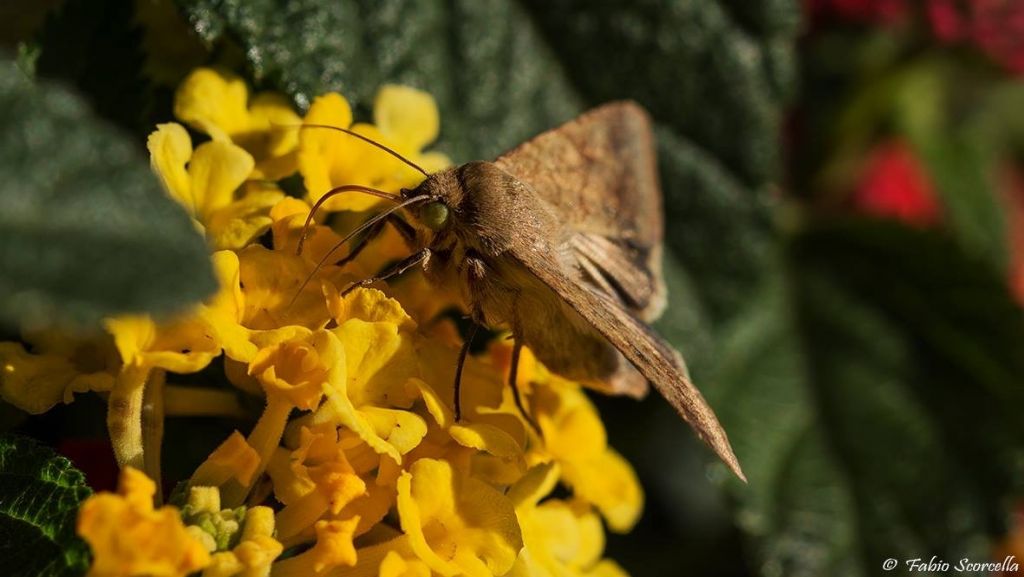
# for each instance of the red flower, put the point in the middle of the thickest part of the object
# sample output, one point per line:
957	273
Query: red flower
895	185
996	27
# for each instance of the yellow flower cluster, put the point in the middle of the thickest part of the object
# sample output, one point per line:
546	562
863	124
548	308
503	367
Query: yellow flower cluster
357	450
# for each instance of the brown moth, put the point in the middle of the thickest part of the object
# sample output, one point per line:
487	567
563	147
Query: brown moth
559	240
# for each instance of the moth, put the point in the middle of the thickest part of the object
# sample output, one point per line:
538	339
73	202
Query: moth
558	240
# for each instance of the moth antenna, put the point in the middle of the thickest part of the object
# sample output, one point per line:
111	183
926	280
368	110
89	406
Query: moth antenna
363	138
334	192
349	236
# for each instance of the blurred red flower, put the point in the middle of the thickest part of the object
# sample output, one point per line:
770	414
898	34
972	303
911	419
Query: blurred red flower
894	184
996	27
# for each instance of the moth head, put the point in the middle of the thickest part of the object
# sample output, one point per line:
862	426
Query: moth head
443	193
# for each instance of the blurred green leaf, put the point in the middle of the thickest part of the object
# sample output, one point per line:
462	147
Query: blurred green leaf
40	493
935	108
85	231
874	400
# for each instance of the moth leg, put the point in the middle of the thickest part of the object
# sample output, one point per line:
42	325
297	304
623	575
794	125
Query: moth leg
513	382
399	268
458	370
405	229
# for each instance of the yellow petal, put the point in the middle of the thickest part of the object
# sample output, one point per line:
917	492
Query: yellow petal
370	305
273	113
406	115
536	484
271	283
457	525
35	383
216	171
233	459
394	565
214	102
609	482
170	149
243	221
182	346
485	437
380	361
402	430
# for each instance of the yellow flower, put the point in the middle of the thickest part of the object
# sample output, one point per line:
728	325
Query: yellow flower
332	484
205	181
379	363
229	311
457	525
562	539
575	438
217	103
233	459
182	346
407	120
294	375
333	548
255	552
61	366
129	538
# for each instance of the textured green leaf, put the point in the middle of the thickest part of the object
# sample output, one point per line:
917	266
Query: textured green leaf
85	231
39	497
874	401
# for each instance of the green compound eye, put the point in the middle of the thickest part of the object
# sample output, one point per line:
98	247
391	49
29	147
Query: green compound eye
435	215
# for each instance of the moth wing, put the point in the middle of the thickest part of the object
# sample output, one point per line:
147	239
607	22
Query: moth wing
599	173
651	355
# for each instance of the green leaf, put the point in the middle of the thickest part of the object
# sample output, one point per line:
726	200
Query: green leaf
874	400
85	230
40	493
711	74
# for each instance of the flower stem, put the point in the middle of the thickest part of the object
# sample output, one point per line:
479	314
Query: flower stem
153	428
124	417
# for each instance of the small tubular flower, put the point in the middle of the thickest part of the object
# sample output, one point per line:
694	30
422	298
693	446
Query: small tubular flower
333	548
294	375
129	538
206	181
407	121
217	102
60	367
233	459
457	525
575	438
334	484
379	363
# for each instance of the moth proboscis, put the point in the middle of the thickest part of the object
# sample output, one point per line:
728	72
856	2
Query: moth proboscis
558	240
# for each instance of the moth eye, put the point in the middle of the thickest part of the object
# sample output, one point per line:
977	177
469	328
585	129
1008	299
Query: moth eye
435	215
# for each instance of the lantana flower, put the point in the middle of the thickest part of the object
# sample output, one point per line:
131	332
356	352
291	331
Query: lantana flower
217	103
208	181
406	120
128	537
357	464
